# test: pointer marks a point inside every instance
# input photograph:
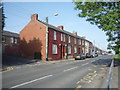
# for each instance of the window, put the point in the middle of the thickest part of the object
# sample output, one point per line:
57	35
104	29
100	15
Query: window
54	35
75	49
64	37
69	49
15	40
82	50
82	42
12	39
54	49
79	42
3	39
68	39
74	40
61	37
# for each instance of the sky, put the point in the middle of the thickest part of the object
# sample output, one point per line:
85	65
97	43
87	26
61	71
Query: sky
19	14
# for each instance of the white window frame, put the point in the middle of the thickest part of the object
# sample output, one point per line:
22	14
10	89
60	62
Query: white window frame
74	40
15	40
79	41
83	42
54	49
12	39
55	35
69	49
75	49
64	37
68	39
3	38
83	50
61	37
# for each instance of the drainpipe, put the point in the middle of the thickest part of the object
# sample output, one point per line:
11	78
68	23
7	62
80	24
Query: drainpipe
46	43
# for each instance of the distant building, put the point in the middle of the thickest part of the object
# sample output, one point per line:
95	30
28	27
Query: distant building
50	42
10	43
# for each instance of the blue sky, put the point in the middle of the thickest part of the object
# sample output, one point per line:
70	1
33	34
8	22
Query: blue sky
18	15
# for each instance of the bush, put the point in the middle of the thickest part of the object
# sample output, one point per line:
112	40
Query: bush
117	57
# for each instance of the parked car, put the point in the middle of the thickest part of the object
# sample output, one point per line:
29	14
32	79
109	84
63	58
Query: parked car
79	57
96	54
90	55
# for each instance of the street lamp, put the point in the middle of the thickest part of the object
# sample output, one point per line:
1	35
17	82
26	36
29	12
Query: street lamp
56	14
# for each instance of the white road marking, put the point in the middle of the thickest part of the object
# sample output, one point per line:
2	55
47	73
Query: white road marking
84	64
70	69
31	81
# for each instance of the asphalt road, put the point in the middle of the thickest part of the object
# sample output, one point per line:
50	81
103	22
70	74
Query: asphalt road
88	73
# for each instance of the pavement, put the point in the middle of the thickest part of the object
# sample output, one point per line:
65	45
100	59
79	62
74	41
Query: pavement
10	62
88	73
115	75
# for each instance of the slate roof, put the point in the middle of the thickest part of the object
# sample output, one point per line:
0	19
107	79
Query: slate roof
8	33
64	31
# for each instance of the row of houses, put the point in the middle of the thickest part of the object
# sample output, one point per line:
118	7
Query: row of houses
44	41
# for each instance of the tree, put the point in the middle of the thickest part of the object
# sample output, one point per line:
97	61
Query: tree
106	16
2	17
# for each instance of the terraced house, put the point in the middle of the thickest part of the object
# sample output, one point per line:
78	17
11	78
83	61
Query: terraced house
49	42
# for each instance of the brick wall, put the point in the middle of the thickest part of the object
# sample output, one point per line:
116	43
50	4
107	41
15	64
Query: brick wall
33	39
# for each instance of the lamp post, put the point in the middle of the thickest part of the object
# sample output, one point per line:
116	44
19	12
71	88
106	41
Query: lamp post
47	37
56	14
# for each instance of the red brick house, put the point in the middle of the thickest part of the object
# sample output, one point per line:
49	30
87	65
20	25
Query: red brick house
50	42
10	43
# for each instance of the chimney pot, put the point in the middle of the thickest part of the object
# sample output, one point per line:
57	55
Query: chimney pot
34	17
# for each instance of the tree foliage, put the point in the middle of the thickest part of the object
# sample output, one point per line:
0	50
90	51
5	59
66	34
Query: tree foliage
106	15
2	17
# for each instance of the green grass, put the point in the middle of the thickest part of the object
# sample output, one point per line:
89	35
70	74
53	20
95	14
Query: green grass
117	57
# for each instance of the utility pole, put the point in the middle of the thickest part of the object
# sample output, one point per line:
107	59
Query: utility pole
94	46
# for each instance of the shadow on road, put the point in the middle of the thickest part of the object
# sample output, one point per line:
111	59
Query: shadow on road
106	62
15	61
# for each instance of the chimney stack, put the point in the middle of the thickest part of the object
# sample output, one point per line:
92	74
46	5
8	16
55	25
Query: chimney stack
61	27
83	37
34	17
75	33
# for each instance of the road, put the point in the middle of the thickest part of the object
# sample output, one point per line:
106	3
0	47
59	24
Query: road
88	73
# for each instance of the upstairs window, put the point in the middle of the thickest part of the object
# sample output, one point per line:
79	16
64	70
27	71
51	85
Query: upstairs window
3	39
82	42
79	42
15	40
54	49
64	37
74	40
12	39
61	37
55	35
68	39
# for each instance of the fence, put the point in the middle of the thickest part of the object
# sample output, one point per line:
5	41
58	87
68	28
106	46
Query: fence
108	80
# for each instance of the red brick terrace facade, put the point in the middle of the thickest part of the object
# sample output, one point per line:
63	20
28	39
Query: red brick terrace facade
52	43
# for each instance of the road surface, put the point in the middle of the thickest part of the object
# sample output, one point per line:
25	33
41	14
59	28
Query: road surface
88	73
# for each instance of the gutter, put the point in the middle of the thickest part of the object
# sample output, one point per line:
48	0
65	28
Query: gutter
46	43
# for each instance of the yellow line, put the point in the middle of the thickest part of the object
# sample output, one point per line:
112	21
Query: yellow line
101	68
94	66
79	86
90	69
8	69
78	82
